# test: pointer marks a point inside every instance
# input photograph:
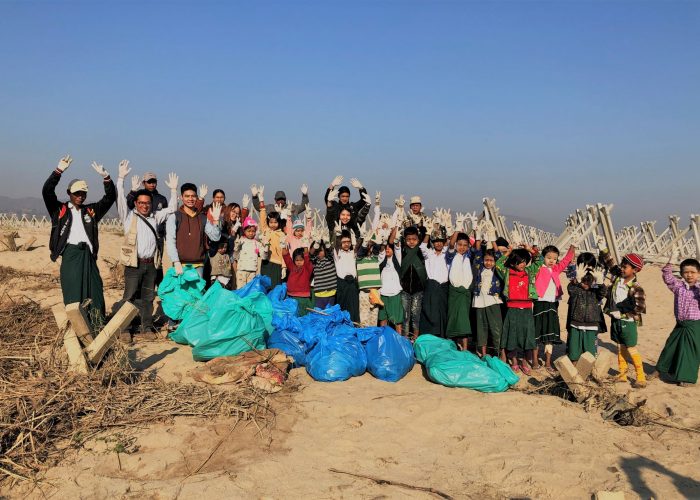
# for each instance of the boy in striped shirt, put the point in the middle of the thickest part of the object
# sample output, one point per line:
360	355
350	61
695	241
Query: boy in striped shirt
369	281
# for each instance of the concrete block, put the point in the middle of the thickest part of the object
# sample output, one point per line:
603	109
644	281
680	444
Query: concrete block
584	365
125	315
570	374
79	322
603	362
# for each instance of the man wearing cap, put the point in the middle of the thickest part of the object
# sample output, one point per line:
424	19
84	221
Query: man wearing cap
150	184
74	237
142	249
416	217
281	201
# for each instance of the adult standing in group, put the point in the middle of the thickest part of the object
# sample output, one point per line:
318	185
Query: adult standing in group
142	249
281	202
148	182
74	237
339	209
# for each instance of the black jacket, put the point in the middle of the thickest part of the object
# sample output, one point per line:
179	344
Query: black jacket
62	216
358	213
584	305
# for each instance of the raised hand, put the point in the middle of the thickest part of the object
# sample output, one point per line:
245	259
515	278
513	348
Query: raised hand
203	190
135	182
124	169
400	202
254	190
336	181
333	195
337	229
216	210
304	189
356	183
261	193
172	181
378	198
100	169
64	163
309	213
600	243
366	198
598	275
245	201
581	271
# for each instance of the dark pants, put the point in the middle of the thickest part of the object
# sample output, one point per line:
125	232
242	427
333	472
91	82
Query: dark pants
323	302
141	282
412	303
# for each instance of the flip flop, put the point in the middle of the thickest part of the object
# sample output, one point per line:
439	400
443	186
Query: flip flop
525	369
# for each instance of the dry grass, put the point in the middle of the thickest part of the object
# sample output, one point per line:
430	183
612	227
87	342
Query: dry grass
45	411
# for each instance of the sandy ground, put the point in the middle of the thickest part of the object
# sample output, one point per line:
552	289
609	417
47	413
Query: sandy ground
460	442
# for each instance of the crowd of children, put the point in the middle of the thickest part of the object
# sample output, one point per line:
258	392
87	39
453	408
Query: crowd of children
426	275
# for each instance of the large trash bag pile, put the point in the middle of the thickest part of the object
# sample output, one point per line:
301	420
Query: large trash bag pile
332	349
448	366
178	293
226	323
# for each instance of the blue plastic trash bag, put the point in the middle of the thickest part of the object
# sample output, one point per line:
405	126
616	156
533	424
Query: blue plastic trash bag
452	368
197	317
289	343
503	369
260	284
389	355
178	292
336	357
281	304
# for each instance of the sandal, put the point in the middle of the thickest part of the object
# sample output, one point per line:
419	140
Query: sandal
550	370
525	369
515	368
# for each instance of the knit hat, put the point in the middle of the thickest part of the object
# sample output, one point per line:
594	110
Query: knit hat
249	221
415	199
279	195
634	260
77	185
343	189
148	176
298	223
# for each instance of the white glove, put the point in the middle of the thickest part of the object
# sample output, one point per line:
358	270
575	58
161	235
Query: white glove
356	183
135	182
600	243
337	229
317	245
598	275
333	195
245	202
283	241
309	213
254	190
615	314
447	222
337	180
261	193
265	238
203	190
675	256
459	221
581	271
64	163
215	211
304	189
100	169
400	202
124	169
575	241
365	196
172	181
490	231
178	268
378	198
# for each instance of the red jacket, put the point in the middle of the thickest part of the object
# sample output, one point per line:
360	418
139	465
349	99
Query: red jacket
298	278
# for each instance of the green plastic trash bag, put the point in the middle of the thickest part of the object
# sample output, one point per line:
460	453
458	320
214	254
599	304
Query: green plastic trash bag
179	292
499	366
450	367
197	317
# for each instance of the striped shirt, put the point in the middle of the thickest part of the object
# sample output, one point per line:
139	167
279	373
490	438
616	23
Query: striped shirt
686	300
368	274
324	274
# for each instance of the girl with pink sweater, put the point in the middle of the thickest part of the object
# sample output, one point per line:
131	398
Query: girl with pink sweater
549	293
298	233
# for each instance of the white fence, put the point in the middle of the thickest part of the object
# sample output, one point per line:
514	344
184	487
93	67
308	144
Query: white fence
15	221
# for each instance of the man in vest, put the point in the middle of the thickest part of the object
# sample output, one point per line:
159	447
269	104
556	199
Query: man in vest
186	232
141	252
74	237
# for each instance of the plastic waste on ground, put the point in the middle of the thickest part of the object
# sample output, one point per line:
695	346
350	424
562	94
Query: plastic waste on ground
389	355
448	366
178	293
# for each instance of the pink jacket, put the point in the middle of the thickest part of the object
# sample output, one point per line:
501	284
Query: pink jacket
544	275
292	241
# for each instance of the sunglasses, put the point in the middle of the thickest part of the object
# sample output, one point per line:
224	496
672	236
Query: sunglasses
151	181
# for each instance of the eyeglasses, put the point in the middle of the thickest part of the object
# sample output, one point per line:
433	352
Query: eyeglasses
143	202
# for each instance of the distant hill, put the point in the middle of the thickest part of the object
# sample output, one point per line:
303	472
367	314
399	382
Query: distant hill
32	206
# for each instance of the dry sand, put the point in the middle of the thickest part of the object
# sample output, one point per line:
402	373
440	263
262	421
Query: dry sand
457	441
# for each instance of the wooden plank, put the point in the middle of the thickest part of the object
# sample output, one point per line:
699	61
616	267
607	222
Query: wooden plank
79	322
29	243
76	358
127	312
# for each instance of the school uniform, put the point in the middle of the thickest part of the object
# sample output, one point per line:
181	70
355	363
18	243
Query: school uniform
459	299
433	315
584	321
487	303
390	292
546	307
347	290
413	277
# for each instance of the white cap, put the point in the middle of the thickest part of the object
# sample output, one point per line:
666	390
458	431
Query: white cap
415	199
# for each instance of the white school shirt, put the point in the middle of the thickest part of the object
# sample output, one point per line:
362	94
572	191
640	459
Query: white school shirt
345	263
484	299
77	232
435	264
391	283
621	292
461	271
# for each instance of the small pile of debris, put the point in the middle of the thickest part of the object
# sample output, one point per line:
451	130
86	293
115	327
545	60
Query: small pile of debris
265	370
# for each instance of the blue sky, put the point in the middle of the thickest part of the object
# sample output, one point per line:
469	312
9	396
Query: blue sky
545	106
